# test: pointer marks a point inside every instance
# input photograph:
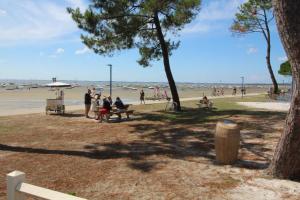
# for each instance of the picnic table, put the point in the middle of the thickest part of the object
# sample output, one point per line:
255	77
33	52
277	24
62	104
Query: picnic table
119	112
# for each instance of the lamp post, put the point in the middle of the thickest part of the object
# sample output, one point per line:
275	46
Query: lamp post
242	86
110	80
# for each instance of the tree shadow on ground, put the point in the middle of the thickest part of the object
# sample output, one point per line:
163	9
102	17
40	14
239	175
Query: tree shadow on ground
186	135
67	115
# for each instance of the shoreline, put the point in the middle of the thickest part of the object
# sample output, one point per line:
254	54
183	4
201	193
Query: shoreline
25	111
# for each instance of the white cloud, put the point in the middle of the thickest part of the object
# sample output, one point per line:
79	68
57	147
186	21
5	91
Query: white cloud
82	51
219	10
197	28
77	4
32	20
282	59
3	12
212	14
252	50
59	51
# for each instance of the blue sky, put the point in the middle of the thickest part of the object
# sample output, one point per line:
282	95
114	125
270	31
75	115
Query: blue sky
38	40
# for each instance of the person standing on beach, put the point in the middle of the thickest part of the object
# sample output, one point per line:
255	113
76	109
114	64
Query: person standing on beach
87	102
222	91
214	92
142	96
234	91
93	92
96	105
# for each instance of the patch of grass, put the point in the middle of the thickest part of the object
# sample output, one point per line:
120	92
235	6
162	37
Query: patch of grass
72	193
4	129
224	108
225	182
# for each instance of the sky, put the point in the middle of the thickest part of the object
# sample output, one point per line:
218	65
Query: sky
39	40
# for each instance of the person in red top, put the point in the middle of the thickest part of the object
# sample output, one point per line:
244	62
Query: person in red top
106	107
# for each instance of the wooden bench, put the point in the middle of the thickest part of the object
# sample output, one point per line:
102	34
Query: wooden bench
120	112
208	104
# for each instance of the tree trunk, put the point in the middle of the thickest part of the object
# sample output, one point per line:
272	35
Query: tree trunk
286	160
168	71
268	57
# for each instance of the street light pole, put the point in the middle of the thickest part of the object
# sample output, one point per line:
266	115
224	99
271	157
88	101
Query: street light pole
242	86
110	81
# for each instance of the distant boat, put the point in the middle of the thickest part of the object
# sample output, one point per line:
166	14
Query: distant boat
151	88
130	88
34	86
11	86
75	85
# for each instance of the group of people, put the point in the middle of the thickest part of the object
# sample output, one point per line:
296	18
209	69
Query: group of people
100	107
218	92
221	92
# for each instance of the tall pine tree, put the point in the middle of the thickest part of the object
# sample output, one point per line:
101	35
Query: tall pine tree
144	24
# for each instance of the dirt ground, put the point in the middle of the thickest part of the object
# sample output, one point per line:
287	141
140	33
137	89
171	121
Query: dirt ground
154	155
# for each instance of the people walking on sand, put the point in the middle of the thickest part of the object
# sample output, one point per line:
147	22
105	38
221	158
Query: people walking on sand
222	91
166	95
243	90
234	91
142	96
214	92
87	102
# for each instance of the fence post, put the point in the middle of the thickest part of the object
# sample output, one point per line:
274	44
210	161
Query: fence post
13	179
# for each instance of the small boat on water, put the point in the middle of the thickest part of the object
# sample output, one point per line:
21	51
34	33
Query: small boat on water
151	88
11	86
130	88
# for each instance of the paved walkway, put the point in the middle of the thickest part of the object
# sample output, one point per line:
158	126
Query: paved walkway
275	106
81	107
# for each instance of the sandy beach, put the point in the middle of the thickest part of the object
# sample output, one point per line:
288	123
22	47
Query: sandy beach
24	101
40	106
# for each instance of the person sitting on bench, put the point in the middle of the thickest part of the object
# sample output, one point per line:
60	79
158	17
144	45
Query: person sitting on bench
119	104
206	102
105	110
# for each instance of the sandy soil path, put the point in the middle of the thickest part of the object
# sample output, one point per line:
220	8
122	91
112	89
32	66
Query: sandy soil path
23	111
275	106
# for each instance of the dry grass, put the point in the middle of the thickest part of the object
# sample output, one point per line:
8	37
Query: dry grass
156	155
